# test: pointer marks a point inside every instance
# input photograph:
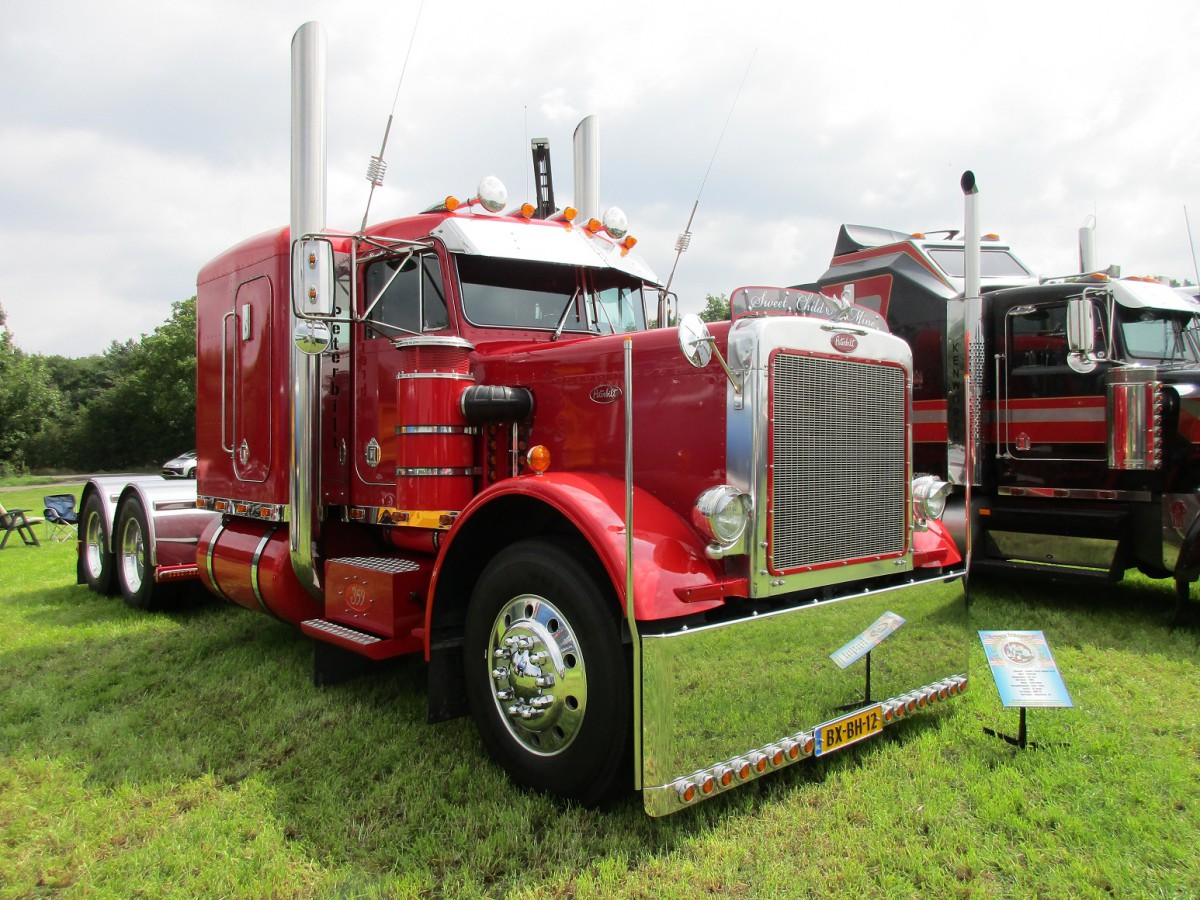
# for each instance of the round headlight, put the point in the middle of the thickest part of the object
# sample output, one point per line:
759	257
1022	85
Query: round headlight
929	496
721	513
492	194
616	222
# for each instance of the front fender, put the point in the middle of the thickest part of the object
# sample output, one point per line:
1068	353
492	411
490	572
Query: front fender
669	557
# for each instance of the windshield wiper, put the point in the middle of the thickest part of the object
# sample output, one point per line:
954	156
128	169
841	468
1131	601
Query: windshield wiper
562	320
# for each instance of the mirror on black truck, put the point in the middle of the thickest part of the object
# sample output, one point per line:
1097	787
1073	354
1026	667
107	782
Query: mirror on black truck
1081	331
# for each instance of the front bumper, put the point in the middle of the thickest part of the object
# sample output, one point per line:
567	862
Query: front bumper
721	705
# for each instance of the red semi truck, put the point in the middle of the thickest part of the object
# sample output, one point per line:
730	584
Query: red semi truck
454	434
1078	427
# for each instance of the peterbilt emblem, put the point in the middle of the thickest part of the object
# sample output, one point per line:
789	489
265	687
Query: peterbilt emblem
844	343
605	393
371	453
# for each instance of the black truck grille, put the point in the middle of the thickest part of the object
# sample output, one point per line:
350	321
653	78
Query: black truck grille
838	454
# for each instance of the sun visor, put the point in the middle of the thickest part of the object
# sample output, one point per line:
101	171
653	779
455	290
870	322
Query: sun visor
532	241
1152	295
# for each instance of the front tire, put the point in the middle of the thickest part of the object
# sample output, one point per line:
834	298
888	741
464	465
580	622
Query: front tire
546	675
135	571
95	557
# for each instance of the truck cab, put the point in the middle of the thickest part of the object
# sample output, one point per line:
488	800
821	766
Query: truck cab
1085	457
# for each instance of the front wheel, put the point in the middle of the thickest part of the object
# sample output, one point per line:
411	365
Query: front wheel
546	675
135	571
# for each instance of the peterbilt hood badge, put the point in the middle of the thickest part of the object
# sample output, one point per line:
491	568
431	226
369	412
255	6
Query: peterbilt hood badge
605	393
844	343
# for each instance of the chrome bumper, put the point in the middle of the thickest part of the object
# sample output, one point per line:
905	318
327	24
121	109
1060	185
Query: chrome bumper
721	705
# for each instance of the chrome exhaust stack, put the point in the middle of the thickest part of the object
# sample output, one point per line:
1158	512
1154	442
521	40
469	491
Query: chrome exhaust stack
587	169
308	211
1087	245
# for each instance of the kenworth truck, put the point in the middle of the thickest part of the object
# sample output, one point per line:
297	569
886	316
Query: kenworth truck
664	558
1070	405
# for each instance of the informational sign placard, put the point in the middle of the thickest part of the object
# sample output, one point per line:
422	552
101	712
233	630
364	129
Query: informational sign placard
1024	669
867	641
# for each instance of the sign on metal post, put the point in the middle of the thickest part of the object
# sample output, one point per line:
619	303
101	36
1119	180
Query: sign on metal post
1025	673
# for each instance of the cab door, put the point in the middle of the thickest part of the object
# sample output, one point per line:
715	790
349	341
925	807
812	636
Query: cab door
248	419
1048	411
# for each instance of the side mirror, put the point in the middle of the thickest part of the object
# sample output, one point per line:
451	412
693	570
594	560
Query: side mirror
312	277
695	340
312	337
1081	334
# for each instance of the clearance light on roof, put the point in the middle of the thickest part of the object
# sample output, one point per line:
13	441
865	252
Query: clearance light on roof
527	210
991	237
594	225
919	235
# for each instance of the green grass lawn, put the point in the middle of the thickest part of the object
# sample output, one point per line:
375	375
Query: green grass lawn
187	753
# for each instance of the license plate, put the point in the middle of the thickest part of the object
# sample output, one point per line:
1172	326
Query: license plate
839	733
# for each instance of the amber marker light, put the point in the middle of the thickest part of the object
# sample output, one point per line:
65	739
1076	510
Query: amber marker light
991	237
629	243
570	213
594	225
451	203
538	458
687	792
527	210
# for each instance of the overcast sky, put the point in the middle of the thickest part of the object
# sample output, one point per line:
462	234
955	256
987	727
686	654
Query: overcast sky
139	140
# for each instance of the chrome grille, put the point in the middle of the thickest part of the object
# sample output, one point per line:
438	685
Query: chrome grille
839	485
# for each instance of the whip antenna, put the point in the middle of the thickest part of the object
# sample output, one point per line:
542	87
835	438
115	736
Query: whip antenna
376	168
682	242
1191	244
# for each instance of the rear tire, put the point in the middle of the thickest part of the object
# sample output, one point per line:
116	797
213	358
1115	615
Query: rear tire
538	613
95	556
135	571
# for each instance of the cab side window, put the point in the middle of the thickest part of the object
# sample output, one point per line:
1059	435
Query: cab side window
411	296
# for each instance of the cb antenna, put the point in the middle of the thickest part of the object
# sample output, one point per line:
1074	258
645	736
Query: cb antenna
682	242
377	167
1191	244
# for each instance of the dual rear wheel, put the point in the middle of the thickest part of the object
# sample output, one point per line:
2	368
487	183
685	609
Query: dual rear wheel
123	564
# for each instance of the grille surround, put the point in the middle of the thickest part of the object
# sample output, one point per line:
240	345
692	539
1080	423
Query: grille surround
838	483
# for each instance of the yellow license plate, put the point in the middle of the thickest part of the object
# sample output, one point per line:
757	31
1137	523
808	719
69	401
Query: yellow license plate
839	733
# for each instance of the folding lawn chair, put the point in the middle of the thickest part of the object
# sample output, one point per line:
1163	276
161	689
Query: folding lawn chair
60	514
16	520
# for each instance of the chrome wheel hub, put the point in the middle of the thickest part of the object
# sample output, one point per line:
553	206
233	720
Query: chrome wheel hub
93	546
132	565
538	677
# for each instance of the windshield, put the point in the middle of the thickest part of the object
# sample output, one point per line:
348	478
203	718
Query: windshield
511	293
992	263
1160	335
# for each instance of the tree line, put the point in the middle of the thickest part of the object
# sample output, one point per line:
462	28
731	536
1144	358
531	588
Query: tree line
131	407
